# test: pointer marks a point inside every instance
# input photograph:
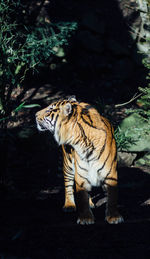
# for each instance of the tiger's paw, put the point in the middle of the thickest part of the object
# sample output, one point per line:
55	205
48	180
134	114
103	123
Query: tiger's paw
114	219
91	204
86	219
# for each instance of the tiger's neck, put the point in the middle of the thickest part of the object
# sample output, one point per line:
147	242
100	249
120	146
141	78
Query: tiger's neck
74	135
67	133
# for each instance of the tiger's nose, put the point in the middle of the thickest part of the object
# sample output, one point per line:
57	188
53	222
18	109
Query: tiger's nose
36	115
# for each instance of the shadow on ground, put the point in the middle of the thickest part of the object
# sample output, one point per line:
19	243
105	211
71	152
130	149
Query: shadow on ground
33	225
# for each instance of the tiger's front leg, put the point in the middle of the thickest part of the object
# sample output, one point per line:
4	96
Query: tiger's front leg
68	179
85	215
69	194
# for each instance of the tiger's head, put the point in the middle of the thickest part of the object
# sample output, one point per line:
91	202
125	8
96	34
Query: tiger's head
54	116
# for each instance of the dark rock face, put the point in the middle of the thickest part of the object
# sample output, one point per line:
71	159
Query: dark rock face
103	55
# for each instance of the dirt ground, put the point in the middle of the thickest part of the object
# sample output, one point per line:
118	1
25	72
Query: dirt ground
33	225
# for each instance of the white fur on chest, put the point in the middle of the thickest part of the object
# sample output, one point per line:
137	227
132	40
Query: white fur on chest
91	174
95	177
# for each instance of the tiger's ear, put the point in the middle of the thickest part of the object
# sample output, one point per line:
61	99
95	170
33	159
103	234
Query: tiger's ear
67	108
72	98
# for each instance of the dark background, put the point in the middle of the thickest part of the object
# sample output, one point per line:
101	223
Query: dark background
32	223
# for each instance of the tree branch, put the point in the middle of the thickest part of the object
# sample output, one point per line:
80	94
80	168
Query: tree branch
132	99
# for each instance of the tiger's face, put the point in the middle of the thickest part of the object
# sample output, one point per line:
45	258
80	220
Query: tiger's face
55	113
45	118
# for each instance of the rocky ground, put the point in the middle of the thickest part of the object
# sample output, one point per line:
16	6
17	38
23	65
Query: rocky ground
32	223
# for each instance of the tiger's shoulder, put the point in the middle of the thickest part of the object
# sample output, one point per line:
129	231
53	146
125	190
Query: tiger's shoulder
90	113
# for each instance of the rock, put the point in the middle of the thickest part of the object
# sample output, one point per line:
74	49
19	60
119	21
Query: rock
137	57
144	161
143	47
134	32
117	49
26	133
135	128
91	62
92	22
145	21
123	68
91	42
126	159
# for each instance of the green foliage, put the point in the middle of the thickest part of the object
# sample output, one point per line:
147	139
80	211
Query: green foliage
144	105
143	109
123	140
24	47
144	101
139	132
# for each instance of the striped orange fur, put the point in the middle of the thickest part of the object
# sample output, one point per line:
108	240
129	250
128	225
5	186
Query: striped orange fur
89	152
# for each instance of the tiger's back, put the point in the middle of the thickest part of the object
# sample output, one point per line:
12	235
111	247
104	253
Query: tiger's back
95	151
91	158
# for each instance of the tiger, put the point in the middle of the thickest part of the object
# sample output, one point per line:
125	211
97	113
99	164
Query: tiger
89	155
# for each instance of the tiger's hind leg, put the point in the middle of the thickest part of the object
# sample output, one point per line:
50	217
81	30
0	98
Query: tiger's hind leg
112	214
68	179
